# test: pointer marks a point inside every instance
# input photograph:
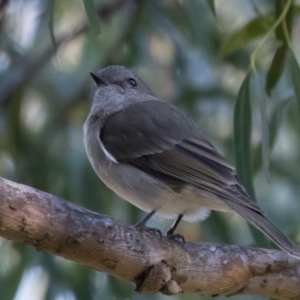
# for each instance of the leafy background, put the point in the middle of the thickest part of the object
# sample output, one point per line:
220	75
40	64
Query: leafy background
232	65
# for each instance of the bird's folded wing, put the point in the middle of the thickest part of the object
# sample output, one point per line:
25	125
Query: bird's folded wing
158	137
145	128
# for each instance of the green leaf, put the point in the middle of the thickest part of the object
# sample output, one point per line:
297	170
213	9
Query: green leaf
275	71
242	136
211	5
296	10
258	88
247	33
92	15
279	6
242	142
51	6
296	78
275	121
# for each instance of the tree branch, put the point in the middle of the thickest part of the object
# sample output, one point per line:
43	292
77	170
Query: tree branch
32	65
56	226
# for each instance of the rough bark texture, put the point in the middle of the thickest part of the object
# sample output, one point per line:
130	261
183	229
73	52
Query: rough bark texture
59	227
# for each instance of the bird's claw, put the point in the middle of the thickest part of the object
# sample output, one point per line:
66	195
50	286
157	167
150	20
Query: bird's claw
176	237
142	226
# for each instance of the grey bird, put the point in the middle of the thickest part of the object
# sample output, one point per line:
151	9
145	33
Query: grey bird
153	155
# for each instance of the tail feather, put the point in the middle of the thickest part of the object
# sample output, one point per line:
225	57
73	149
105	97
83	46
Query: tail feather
259	220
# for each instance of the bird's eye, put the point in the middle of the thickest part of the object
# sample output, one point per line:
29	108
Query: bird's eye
132	81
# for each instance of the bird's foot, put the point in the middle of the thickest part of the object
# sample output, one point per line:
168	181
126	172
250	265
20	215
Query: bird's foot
176	237
142	226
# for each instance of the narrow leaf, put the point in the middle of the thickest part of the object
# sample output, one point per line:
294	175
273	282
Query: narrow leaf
279	6
296	78
274	124
296	10
275	71
242	142
255	28
92	15
242	136
51	6
259	93
276	120
211	5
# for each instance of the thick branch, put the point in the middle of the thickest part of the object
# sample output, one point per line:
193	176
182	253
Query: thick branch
59	227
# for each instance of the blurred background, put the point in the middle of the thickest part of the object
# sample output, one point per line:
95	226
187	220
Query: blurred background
193	53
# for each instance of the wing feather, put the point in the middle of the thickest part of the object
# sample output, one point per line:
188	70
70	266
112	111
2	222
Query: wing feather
158	137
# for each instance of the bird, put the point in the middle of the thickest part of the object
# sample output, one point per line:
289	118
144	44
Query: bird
153	155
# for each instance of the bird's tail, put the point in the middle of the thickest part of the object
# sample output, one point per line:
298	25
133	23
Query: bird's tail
258	220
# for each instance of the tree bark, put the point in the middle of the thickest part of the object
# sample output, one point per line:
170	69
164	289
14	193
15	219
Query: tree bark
154	264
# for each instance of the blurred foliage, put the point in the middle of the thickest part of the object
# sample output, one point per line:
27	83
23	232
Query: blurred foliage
195	53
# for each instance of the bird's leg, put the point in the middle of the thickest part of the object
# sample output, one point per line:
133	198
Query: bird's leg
170	232
175	224
142	224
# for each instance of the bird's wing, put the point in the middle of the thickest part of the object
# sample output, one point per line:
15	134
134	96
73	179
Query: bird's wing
158	137
145	128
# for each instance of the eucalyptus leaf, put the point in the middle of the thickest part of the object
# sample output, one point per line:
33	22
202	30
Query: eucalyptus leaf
211	5
276	120
92	15
274	125
242	136
242	143
279	32
277	66
296	10
296	78
259	93
252	30
51	6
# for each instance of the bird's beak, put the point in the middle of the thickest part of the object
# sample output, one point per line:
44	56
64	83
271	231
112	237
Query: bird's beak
100	80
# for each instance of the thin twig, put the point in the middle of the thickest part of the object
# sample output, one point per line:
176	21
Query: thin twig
32	65
268	35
